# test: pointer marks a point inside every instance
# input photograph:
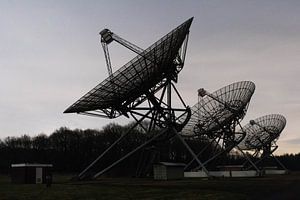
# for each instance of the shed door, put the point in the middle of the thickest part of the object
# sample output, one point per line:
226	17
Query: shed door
39	175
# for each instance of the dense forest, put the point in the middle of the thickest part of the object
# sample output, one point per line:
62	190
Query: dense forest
72	150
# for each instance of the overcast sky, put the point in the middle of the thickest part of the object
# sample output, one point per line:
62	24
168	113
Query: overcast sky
50	56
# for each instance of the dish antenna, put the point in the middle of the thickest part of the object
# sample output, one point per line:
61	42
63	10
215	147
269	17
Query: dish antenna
143	89
262	135
216	116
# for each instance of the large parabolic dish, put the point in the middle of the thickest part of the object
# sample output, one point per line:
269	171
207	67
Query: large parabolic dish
150	77
218	109
129	85
262	131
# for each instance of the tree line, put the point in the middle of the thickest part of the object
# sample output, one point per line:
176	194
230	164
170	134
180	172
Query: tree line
72	150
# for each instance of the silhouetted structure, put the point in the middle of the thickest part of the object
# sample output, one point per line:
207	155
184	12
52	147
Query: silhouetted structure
71	150
31	173
262	134
142	89
216	115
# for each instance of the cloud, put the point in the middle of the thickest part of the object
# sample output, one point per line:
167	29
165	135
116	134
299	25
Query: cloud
292	141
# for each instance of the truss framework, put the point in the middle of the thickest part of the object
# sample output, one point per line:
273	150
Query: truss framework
216	116
263	130
262	135
161	116
127	87
142	89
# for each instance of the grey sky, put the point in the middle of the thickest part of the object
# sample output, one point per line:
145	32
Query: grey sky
50	56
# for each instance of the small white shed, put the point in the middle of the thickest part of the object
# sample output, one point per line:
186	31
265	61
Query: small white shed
31	173
168	171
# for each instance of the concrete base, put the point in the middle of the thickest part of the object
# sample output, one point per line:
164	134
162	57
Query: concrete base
275	172
200	174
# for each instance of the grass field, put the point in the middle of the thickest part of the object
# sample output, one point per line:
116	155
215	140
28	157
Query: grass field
269	187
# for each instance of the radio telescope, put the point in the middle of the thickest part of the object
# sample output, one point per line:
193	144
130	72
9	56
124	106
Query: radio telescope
143	89
262	135
216	116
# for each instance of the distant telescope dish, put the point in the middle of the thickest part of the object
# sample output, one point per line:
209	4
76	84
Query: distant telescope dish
261	136
262	131
128	86
220	108
217	114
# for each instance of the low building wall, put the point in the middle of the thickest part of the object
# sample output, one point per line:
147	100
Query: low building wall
201	174
168	171
248	173
275	172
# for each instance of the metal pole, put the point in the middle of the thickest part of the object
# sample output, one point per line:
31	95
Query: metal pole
265	156
191	151
249	160
279	162
169	98
159	109
128	154
111	146
261	159
202	150
216	155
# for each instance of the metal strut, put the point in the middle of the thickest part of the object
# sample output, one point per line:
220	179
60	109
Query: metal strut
201	93
160	113
245	155
176	132
83	173
107	37
267	152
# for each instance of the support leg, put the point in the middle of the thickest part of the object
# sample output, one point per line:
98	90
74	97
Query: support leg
249	160
202	150
129	154
276	159
191	151
81	175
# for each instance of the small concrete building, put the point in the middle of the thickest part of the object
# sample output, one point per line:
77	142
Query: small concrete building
168	171
31	173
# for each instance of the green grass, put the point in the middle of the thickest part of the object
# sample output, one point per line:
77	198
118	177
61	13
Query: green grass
271	187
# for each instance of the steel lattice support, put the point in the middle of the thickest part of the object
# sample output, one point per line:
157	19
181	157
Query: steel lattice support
142	88
216	116
262	134
162	116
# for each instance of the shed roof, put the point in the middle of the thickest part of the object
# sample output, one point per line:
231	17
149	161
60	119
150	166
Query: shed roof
31	165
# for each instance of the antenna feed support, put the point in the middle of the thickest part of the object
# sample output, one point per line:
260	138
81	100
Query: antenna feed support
252	122
106	36
202	92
